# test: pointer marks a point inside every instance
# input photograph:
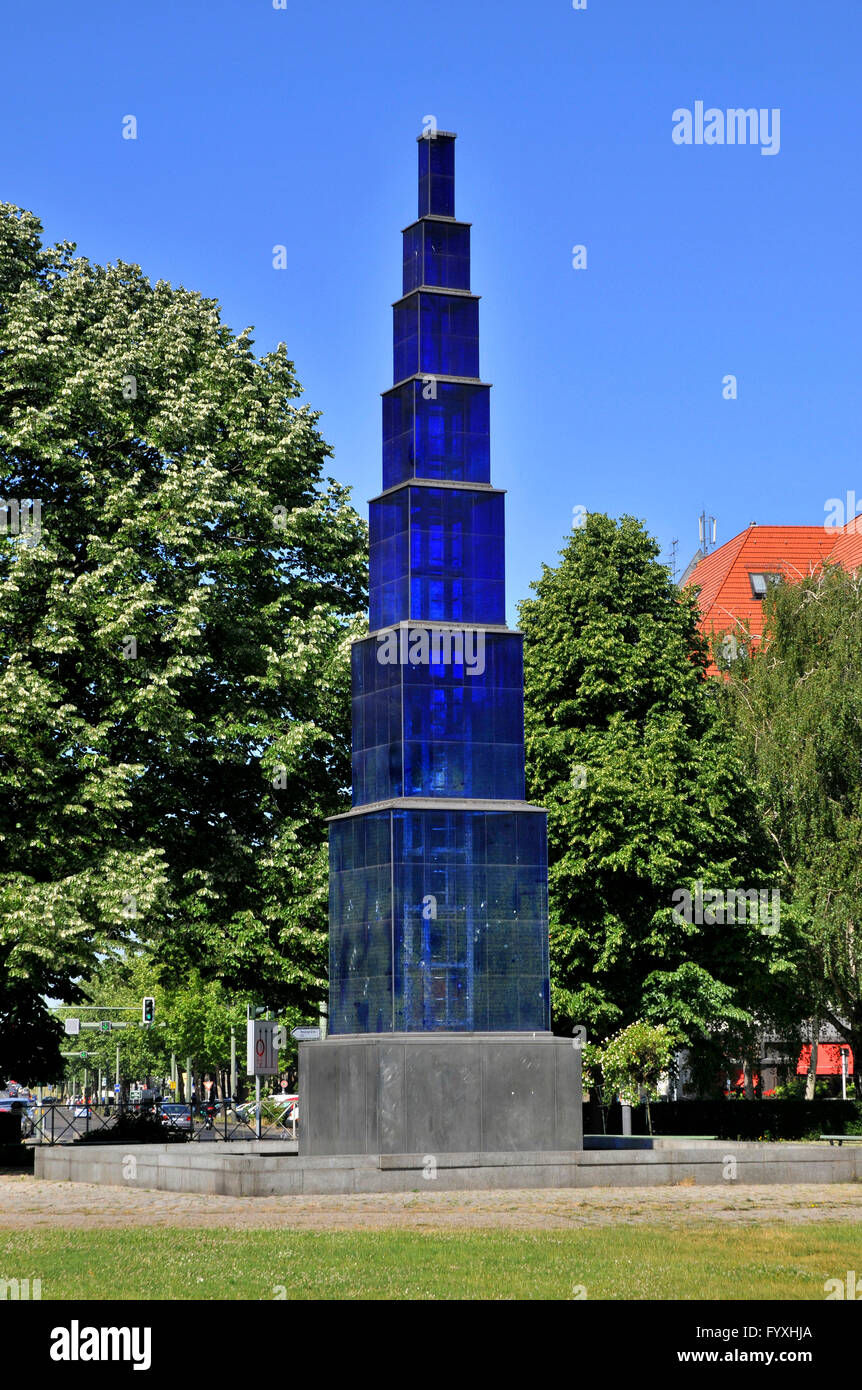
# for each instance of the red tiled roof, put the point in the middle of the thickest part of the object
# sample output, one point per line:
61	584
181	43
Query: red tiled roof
725	598
713	570
848	545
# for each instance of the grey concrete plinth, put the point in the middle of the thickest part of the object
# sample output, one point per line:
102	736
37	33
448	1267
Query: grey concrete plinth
273	1170
440	1093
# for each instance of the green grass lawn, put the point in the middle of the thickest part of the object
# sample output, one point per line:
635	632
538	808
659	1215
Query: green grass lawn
619	1262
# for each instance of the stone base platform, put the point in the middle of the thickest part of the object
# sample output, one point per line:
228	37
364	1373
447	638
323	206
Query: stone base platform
277	1170
440	1093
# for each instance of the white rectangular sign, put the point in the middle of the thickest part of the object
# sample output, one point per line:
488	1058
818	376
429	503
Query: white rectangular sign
73	1027
261	1047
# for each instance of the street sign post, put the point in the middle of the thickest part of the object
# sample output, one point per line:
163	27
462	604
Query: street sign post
305	1034
261	1047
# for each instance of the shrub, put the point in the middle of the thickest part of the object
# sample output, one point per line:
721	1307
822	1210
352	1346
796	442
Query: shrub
143	1128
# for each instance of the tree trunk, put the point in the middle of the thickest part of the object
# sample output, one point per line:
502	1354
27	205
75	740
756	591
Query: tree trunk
855	1041
811	1078
748	1078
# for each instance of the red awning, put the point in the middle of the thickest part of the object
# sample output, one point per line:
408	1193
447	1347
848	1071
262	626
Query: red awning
828	1059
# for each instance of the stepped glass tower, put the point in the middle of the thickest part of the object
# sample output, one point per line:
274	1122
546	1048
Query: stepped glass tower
439	992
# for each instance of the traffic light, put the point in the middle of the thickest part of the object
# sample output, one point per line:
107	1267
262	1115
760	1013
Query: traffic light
149	1010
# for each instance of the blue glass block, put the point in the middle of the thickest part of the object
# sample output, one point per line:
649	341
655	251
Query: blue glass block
452	432
446	255
506	717
465	955
430	717
388	603
436	253
532	846
389	558
436	430
360	946
448	335
412	258
454	600
461	768
399	434
388	516
501	839
458	510
405	338
436	335
454	569
377	746
437	176
453	551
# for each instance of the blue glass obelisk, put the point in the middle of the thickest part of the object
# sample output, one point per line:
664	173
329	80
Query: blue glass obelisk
438	875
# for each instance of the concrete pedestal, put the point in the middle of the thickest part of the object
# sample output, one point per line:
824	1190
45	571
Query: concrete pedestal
440	1093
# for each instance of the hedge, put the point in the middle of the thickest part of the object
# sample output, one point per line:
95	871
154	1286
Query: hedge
735	1119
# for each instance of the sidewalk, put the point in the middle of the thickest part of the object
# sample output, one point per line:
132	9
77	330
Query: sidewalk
27	1203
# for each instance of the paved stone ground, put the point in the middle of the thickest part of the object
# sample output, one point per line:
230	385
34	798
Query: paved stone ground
28	1204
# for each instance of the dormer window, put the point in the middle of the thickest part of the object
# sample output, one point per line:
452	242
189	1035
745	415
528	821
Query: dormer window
761	582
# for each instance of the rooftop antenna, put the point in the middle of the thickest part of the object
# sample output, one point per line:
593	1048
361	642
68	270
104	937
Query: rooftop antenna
673	565
706	526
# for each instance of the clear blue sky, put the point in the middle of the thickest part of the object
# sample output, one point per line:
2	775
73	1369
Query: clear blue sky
259	126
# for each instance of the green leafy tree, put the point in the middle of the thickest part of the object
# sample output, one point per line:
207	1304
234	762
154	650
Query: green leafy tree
115	994
174	623
796	708
645	792
191	1020
31	1036
633	1062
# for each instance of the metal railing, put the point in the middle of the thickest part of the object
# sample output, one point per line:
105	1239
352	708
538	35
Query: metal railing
58	1123
229	1121
65	1123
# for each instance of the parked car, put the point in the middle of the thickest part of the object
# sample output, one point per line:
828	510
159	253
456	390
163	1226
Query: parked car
176	1115
11	1101
280	1108
16	1102
287	1105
